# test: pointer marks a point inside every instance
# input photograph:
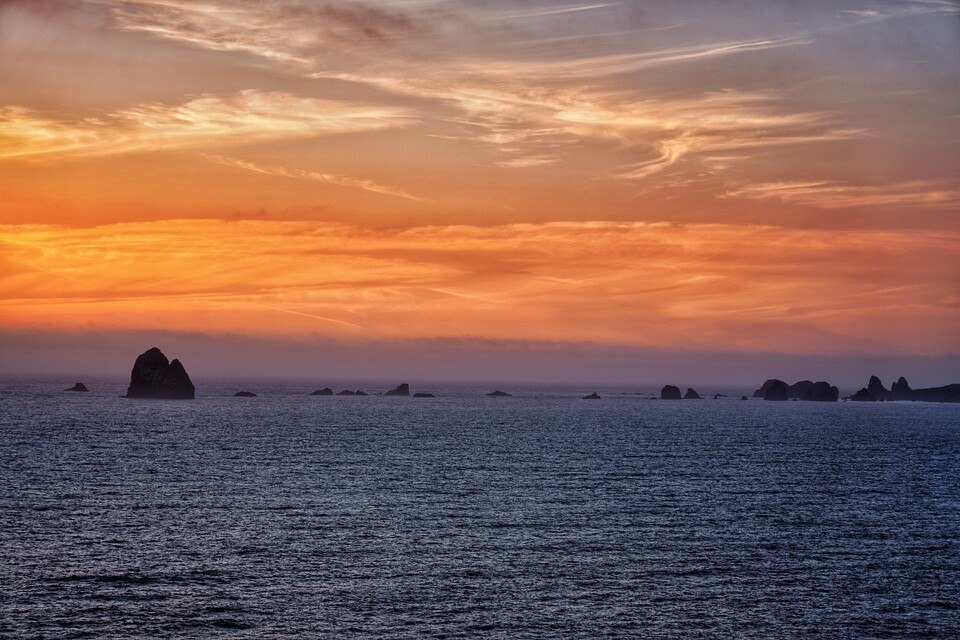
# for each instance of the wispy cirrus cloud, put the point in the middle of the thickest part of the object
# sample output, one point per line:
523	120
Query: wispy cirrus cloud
828	194
314	176
282	31
201	122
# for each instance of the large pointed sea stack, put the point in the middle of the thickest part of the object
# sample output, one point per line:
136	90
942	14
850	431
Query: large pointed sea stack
877	390
154	376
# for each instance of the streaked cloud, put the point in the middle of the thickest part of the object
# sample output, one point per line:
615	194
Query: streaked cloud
835	195
435	170
203	121
754	288
315	176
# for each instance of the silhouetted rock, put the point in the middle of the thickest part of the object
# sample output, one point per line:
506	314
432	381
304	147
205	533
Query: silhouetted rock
326	391
948	393
813	391
877	390
153	376
498	394
244	394
402	390
901	390
802	390
670	392
744	398
762	391
423	395
824	392
78	387
347	392
592	396
691	395
776	390
362	393
863	396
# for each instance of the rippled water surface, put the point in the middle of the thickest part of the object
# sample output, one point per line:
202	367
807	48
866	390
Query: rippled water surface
540	515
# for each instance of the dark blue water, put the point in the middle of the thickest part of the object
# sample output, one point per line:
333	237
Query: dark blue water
536	516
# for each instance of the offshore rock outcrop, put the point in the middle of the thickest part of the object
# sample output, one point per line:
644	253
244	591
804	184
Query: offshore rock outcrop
691	394
776	390
244	394
423	395
402	390
901	389
803	390
78	387
498	394
592	396
813	391
326	391
670	392
863	395
154	376
877	390
762	391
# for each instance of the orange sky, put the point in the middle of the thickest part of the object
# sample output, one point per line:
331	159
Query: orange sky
726	177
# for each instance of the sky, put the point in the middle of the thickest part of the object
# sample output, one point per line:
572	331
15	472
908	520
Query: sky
485	189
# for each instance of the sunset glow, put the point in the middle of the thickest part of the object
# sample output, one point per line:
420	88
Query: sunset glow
669	175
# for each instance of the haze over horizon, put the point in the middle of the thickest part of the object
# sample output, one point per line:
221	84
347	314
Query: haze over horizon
545	190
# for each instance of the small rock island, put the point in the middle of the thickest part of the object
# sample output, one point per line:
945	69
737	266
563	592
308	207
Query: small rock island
155	377
498	394
402	390
670	392
78	387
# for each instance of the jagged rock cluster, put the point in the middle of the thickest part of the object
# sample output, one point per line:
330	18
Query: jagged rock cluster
774	389
670	392
876	392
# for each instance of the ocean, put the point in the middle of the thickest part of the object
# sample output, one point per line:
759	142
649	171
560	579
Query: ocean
540	515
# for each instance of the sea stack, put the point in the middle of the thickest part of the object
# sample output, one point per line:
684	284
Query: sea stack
901	389
78	387
592	396
670	392
877	390
402	390
863	395
154	376
776	390
691	394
